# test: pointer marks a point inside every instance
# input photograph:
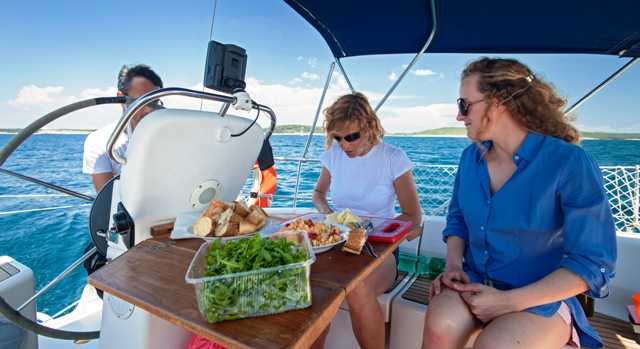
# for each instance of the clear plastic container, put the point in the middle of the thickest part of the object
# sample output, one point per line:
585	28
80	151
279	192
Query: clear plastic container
253	293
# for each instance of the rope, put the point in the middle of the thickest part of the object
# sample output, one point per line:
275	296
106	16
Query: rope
41	209
35	195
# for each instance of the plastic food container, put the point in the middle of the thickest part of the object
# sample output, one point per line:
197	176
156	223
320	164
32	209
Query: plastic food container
254	293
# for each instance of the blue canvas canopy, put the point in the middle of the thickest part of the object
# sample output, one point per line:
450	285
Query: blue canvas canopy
369	27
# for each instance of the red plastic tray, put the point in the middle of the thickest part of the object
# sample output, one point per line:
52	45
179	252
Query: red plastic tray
390	230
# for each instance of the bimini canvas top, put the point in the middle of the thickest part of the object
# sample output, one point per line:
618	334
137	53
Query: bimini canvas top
368	27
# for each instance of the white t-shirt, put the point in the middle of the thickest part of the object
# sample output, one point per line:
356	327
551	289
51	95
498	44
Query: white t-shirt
95	158
364	184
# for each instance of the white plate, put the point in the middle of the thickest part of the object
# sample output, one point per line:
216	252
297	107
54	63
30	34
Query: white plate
183	228
316	249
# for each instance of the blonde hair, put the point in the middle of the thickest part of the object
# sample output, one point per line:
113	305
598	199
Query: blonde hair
532	102
353	108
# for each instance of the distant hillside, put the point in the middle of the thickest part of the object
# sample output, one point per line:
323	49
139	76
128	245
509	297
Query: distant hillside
49	131
304	129
460	131
445	131
605	135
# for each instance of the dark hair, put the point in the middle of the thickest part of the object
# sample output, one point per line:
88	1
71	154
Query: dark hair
532	102
353	107
127	73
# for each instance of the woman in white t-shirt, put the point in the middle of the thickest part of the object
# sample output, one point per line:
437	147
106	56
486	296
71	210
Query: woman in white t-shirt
365	175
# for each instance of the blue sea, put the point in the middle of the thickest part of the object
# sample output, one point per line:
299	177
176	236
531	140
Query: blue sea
48	241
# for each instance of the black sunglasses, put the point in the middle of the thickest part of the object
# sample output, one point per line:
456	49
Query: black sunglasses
463	106
155	104
349	138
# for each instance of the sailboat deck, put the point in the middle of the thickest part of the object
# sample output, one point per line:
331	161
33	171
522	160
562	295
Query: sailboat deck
615	333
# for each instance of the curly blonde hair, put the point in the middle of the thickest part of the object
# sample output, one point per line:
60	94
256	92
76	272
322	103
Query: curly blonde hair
532	102
353	108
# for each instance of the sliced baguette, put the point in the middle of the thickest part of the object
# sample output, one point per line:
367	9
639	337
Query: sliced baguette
256	218
231	229
241	208
224	227
355	241
204	226
260	210
214	204
247	228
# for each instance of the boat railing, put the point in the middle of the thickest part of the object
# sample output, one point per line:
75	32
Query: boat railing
435	185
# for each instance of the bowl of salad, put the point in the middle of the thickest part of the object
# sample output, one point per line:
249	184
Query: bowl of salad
322	236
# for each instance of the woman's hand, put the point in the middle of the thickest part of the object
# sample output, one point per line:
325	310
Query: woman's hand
325	210
450	277
485	302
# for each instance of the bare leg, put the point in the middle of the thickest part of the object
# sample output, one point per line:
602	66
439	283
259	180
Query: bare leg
448	323
319	343
365	312
524	330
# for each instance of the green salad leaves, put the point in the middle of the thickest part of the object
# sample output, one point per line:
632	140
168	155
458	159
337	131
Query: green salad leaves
274	290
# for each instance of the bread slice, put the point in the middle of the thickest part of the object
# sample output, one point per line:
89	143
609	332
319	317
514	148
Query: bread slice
204	226
241	208
224	226
234	218
256	218
230	230
213	213
214	204
355	241
247	228
260	210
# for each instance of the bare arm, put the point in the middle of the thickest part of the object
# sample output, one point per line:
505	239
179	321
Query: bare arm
408	198
100	179
319	196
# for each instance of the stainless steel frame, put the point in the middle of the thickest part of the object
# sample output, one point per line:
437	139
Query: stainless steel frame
173	91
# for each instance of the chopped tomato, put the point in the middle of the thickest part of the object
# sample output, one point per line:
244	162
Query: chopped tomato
310	222
313	236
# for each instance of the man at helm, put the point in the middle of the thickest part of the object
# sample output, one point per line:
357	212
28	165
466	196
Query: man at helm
133	82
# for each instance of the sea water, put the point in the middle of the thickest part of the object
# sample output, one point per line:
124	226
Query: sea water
53	237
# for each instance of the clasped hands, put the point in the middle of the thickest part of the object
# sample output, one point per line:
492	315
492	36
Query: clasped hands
485	302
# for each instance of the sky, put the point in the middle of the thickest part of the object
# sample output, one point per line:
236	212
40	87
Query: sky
53	53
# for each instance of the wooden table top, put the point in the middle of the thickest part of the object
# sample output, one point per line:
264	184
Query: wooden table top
153	279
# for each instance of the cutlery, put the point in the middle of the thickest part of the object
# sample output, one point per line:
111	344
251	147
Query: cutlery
368	226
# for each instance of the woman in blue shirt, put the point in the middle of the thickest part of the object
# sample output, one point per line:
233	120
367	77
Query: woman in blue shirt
529	223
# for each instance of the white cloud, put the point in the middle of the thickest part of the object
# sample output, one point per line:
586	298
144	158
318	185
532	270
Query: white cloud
34	102
96	92
313	61
419	118
295	81
33	96
392	77
423	72
311	76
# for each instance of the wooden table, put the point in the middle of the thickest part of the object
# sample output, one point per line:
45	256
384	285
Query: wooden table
153	279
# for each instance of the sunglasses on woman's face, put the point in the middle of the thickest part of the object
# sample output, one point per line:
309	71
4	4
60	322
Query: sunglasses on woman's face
463	106
349	138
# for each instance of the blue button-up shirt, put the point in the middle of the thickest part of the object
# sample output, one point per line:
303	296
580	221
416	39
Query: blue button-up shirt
553	212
